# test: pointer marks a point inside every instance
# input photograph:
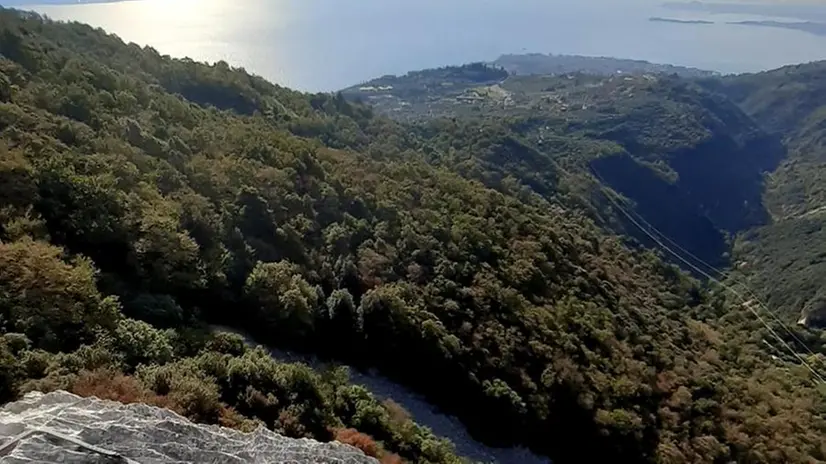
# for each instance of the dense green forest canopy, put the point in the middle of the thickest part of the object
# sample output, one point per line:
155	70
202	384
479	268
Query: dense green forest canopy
143	197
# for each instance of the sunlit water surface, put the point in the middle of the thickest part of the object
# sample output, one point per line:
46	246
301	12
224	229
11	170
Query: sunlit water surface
330	44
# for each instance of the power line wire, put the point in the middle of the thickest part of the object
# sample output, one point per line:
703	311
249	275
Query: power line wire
723	275
744	302
602	185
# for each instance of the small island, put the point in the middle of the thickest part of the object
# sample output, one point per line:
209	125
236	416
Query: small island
657	19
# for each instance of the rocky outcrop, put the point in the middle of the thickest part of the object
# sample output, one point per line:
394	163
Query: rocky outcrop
61	427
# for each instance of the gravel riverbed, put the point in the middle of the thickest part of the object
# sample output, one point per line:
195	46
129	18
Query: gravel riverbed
421	410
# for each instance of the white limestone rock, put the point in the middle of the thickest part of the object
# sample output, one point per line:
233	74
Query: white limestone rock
61	427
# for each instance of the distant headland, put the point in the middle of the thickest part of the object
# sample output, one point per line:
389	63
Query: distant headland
658	19
805	26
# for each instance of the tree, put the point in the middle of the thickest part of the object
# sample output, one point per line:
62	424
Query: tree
341	310
11	373
281	297
138	343
53	301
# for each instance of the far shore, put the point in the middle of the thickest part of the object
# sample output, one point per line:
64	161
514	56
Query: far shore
658	19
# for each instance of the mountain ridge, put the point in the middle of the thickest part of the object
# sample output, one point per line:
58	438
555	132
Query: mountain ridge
537	63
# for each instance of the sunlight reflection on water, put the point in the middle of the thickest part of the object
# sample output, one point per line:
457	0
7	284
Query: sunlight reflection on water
330	44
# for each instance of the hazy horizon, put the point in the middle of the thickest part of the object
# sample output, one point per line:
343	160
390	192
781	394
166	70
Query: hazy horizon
323	45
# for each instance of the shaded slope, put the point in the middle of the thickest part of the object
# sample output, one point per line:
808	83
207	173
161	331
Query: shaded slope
784	259
692	162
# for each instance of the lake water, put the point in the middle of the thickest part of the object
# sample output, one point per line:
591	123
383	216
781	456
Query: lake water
323	45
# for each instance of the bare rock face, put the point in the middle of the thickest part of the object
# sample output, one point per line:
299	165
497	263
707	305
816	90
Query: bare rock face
61	427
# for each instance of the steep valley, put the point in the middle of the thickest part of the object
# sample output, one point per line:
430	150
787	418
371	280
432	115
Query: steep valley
689	161
784	260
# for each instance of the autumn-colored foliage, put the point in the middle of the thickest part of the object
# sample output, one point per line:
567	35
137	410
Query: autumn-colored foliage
359	440
391	459
397	413
367	444
110	385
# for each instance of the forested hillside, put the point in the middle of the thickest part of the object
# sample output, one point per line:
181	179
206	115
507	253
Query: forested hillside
685	159
786	259
537	63
144	196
